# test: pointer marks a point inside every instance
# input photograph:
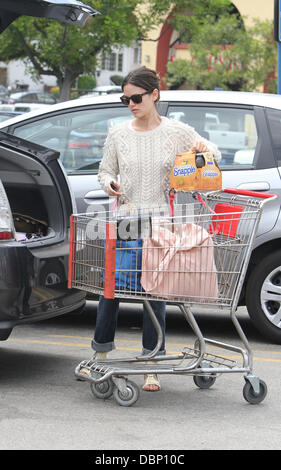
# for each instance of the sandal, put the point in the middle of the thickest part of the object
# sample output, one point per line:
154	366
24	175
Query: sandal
85	370
151	380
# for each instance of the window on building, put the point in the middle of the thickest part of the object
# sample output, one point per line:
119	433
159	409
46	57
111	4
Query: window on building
102	65
137	55
120	62
106	62
112	61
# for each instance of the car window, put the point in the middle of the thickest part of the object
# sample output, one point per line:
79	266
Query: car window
79	136
15	96
30	98
233	130
274	120
40	97
45	98
50	100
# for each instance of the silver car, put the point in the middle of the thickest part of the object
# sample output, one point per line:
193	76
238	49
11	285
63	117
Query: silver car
245	126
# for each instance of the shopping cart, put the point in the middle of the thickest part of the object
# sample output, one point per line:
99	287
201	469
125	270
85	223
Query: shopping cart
195	254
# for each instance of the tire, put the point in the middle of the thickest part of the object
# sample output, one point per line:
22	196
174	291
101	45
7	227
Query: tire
204	381
252	397
130	398
51	274
102	389
263	297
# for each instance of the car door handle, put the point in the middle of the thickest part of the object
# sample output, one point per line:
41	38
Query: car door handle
96	194
256	186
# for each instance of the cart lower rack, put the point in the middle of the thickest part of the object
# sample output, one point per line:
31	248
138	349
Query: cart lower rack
196	254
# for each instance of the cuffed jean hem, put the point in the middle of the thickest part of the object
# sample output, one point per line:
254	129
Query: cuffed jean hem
145	352
103	347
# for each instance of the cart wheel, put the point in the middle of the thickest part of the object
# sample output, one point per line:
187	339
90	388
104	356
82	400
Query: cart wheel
103	389
204	381
128	398
252	397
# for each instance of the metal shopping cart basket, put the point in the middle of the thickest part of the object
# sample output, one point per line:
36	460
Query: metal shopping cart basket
194	255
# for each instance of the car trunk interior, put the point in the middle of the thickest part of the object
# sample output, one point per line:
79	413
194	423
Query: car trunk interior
34	199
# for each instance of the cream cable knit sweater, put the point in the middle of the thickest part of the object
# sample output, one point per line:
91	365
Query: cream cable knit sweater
144	160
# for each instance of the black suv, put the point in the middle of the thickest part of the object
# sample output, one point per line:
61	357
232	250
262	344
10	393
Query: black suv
35	205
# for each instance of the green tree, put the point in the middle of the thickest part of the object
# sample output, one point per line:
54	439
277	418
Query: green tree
116	79
223	53
188	17
66	51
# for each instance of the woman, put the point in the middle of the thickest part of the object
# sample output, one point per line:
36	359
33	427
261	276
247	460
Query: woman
142	153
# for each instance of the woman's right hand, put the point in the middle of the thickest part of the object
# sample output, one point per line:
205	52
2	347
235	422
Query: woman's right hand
113	189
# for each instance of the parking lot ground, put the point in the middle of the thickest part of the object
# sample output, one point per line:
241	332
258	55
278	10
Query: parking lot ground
43	406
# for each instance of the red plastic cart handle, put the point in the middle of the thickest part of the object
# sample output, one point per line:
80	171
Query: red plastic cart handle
243	192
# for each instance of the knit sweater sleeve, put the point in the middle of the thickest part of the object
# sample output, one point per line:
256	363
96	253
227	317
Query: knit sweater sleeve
109	168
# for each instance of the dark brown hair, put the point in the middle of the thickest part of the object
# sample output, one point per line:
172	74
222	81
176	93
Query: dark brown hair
144	78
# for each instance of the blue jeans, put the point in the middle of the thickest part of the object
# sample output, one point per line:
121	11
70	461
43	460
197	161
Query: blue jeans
106	323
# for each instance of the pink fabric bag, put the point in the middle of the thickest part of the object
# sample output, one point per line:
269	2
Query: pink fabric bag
180	265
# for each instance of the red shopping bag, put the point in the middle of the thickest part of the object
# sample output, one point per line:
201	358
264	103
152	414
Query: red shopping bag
226	219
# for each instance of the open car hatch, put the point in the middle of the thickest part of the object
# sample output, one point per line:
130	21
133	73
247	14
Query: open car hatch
66	11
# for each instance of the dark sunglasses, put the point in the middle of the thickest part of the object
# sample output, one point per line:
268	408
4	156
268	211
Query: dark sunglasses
135	98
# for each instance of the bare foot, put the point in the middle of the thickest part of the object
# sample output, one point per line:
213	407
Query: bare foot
151	383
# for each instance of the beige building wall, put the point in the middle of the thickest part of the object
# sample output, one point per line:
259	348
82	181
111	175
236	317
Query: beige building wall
249	9
149	49
262	9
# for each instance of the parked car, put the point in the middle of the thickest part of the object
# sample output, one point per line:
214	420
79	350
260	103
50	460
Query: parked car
20	108
4	94
34	237
77	129
32	97
103	90
91	140
4	115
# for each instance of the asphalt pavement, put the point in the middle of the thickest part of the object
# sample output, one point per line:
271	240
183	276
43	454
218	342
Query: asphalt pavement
44	407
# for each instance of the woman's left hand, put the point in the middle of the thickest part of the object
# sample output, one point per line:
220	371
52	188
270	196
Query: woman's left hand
199	147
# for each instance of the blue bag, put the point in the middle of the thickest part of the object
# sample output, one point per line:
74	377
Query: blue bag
128	261
128	264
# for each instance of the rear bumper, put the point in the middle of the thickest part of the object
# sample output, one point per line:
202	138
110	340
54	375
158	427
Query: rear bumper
33	288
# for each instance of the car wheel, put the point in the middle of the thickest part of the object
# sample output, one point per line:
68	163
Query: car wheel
52	273
263	296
